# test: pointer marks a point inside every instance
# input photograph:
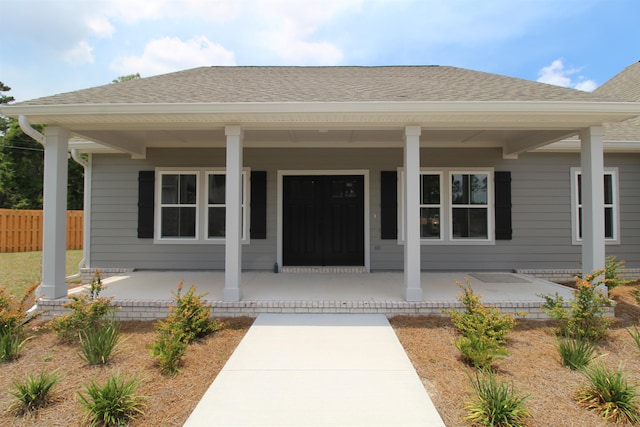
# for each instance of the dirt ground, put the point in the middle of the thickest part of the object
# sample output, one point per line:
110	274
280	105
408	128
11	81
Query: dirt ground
533	367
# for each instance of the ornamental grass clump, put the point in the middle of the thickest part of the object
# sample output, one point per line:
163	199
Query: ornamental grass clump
98	342
13	316
88	310
113	404
609	393
483	329
575	353
584	318
33	393
496	404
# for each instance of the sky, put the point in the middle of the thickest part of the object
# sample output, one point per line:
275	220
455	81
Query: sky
54	46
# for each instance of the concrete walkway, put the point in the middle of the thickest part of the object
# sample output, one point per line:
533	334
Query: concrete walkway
317	370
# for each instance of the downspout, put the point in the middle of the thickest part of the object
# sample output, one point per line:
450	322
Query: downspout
23	121
86	165
26	127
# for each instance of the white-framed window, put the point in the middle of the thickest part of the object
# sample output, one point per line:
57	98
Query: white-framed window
191	207
178	205
611	212
456	206
470	209
430	205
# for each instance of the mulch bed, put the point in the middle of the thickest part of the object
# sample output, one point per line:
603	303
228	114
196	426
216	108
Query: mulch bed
170	399
533	365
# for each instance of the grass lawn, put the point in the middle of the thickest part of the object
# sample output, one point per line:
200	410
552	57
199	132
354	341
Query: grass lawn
18	270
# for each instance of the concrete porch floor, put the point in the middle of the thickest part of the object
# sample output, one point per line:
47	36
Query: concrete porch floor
377	286
147	294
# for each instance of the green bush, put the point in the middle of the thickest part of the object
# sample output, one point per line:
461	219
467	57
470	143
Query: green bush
611	274
477	319
480	351
496	404
610	395
168	349
483	329
13	315
33	392
584	318
88	310
190	316
575	353
98	342
113	404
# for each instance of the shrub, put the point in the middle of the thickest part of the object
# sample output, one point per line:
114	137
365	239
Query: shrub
585	316
483	329
33	393
13	316
190	317
497	403
635	334
575	353
609	394
480	351
87	311
168	349
611	275
476	319
97	342
13	313
113	404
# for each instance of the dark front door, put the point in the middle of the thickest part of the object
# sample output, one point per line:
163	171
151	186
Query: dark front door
323	220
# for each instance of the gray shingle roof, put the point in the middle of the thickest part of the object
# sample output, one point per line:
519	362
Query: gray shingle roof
319	84
625	86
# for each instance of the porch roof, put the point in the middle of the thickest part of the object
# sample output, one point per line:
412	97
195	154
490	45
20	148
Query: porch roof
325	106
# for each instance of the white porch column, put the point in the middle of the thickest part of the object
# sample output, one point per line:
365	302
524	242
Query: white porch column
233	233
592	165
413	290
54	238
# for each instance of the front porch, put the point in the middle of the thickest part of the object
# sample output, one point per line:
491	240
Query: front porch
145	295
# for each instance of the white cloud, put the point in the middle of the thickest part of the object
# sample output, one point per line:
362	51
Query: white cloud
169	54
557	74
100	26
292	27
80	54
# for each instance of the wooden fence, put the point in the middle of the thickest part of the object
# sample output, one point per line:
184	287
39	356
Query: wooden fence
21	230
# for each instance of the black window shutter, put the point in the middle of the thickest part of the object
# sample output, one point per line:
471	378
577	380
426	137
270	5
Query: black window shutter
258	205
502	182
388	205
145	204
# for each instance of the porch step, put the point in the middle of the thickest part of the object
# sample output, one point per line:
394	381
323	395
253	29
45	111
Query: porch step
320	270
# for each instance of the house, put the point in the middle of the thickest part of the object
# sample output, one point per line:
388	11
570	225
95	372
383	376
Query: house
406	168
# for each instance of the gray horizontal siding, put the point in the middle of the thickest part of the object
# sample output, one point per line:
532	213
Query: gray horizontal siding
541	209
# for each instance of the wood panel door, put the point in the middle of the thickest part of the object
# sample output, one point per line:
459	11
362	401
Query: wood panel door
323	220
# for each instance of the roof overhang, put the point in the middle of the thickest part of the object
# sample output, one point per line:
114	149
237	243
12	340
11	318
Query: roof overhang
516	127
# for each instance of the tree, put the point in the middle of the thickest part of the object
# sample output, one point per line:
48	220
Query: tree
126	78
4	99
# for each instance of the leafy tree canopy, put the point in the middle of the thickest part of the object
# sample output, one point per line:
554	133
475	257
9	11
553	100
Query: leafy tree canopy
126	78
22	167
